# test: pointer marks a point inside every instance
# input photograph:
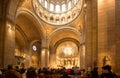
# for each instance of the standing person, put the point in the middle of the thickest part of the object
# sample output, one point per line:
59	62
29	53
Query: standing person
94	73
107	73
12	73
64	73
1	74
31	73
76	71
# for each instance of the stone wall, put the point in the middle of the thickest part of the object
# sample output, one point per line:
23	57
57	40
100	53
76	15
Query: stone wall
117	35
91	33
106	32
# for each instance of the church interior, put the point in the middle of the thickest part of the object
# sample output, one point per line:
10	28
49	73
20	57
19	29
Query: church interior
60	33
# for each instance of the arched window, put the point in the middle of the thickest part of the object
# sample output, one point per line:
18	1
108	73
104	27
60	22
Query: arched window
40	1
75	1
63	7
69	5
51	7
46	4
57	8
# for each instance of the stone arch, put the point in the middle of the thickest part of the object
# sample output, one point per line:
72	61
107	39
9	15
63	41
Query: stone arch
70	34
30	30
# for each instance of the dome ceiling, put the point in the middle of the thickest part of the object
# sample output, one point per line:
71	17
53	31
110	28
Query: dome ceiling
57	1
57	12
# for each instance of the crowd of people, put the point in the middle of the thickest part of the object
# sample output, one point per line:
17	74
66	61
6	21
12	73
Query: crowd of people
74	72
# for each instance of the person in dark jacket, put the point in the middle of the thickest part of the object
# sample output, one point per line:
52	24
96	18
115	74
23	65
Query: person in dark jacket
107	73
94	73
31	73
12	73
64	73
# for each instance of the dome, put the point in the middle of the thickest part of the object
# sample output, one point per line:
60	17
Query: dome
57	12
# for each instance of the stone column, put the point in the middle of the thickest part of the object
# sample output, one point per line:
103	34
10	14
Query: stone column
3	9
117	20
94	33
44	57
2	33
91	32
45	53
88	35
9	48
82	56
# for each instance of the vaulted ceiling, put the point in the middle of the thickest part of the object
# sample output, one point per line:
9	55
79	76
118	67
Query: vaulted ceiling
29	27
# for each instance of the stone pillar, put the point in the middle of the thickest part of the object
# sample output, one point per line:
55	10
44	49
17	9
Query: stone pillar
9	48
7	36
88	34
45	53
44	57
91	33
94	33
2	32
3	9
82	56
117	21
47	58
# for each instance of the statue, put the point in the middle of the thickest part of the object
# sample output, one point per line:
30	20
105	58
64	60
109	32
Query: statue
106	60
